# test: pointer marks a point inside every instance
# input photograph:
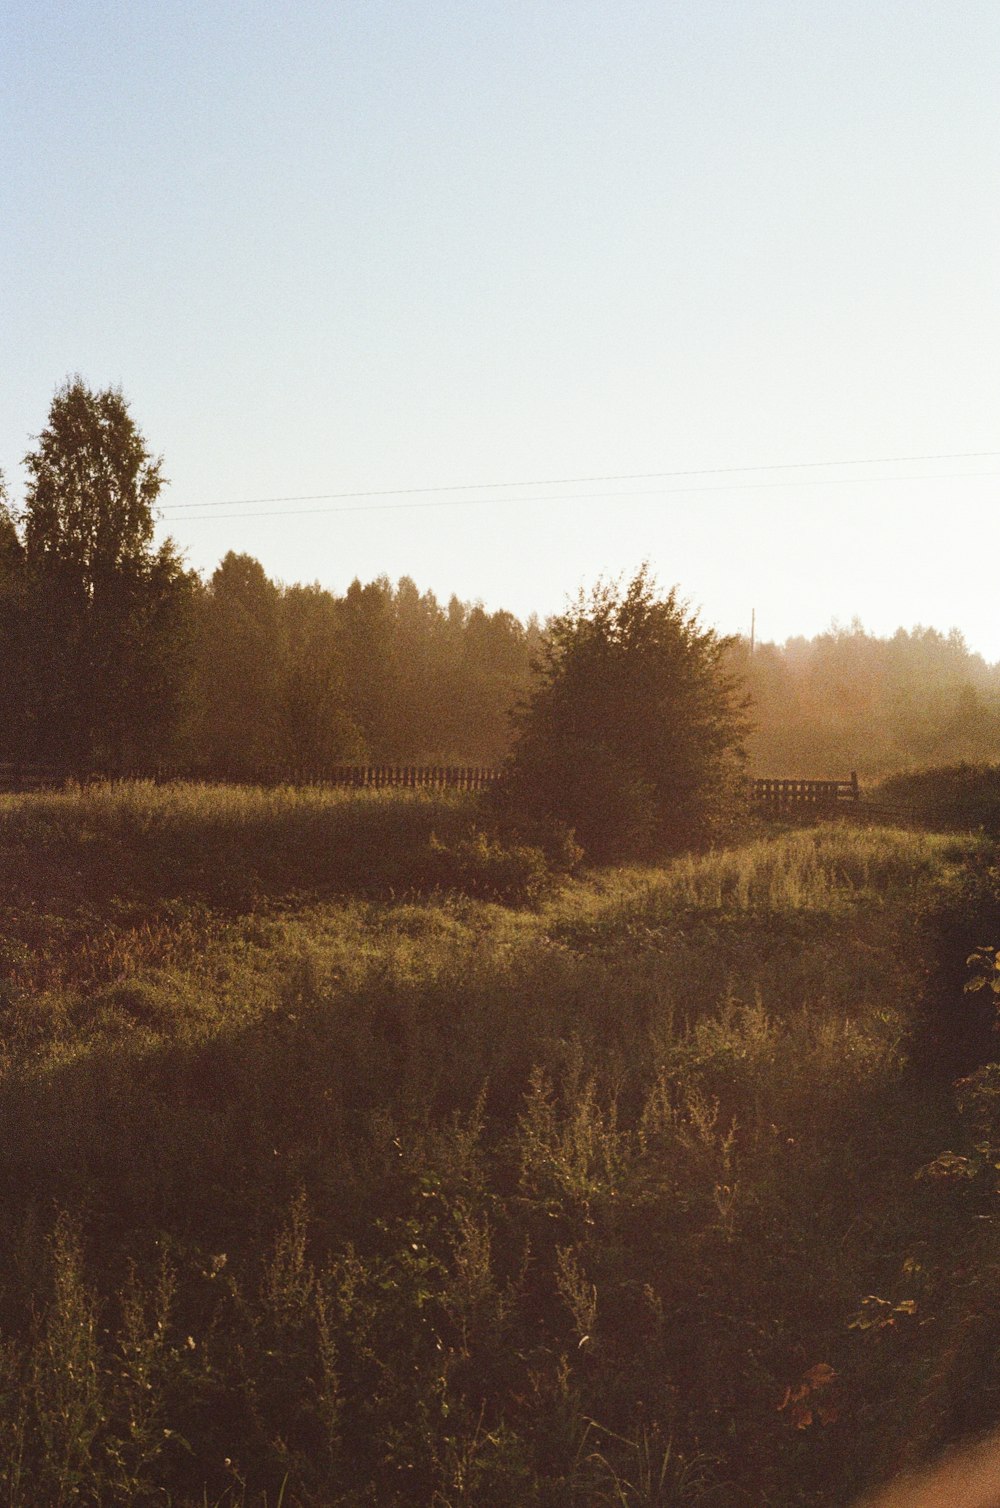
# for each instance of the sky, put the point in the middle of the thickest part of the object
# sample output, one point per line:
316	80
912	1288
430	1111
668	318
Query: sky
366	261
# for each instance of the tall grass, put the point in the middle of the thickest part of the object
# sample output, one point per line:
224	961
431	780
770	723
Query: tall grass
349	1199
229	846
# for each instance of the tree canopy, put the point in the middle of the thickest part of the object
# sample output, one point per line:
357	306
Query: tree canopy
93	485
632	734
106	608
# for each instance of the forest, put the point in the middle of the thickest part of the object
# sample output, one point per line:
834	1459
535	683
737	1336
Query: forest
113	654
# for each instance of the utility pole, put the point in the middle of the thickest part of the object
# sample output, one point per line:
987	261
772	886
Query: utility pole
753	629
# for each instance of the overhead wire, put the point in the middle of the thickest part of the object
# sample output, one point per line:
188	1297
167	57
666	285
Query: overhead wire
636	476
624	497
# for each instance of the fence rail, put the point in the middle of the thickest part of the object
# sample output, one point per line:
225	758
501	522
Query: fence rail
358	777
382	776
783	794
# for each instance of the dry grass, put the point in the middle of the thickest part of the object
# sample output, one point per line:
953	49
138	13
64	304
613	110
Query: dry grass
431	1200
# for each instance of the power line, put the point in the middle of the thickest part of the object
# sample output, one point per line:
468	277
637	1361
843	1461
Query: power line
573	481
571	497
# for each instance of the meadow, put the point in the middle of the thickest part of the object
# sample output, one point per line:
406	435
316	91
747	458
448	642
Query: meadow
350	1156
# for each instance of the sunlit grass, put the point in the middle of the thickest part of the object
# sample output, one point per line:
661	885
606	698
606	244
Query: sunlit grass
420	1198
799	870
226	844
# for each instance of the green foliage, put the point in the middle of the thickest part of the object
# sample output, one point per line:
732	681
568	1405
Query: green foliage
427	1200
958	795
491	869
984	963
956	1025
315	723
93	486
15	665
238	668
237	847
108	616
269	684
112	656
632	734
299	678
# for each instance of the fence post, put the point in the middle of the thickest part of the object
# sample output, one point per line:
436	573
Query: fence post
855	788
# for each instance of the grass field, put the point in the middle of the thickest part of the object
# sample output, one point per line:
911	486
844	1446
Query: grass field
331	1179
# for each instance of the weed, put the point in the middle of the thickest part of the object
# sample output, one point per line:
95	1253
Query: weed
329	1180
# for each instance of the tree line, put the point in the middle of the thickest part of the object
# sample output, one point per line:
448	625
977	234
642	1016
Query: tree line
848	699
113	654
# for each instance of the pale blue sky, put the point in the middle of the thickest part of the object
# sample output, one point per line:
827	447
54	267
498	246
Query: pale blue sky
340	247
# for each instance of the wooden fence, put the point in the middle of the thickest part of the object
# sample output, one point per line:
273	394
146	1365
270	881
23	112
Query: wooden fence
782	795
358	777
842	798
382	776
776	795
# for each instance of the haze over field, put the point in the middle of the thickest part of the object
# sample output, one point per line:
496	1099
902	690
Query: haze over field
432	1073
369	248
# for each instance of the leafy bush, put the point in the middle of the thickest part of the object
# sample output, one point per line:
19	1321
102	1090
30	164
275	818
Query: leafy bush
490	869
633	733
957	795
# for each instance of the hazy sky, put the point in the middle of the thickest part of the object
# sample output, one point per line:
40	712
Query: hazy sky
351	247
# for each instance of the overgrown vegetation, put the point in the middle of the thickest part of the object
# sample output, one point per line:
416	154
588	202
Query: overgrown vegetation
321	1195
227	847
957	795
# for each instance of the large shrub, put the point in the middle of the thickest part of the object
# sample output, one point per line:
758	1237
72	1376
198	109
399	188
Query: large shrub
633	732
955	795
